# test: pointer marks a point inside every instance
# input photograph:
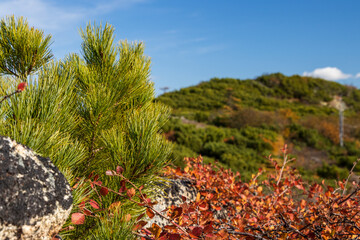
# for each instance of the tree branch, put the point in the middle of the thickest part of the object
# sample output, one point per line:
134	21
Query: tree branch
13	73
9	95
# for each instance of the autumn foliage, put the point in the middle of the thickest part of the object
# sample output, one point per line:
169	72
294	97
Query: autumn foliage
282	206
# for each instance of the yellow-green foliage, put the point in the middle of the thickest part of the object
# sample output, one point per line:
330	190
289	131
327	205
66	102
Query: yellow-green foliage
89	113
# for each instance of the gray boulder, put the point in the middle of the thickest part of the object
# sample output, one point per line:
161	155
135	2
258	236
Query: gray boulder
171	193
35	198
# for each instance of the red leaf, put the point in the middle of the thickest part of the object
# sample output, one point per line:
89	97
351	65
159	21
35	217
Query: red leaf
284	149
174	236
122	189
94	204
162	236
82	205
87	212
140	217
203	206
104	191
123	186
77	218
197	231
139	225
119	170
21	86
208	228
97	183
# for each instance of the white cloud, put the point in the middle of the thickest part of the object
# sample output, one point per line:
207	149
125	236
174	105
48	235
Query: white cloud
51	15
328	73
357	75
62	19
40	13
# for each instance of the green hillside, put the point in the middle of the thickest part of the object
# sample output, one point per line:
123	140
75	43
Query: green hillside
240	122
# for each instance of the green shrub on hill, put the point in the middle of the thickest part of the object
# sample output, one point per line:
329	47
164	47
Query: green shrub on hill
332	172
231	147
292	109
267	92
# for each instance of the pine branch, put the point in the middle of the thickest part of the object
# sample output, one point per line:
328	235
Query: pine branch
92	150
32	64
24	50
9	95
10	71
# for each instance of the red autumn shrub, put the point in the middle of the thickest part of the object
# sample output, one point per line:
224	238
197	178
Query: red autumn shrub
282	206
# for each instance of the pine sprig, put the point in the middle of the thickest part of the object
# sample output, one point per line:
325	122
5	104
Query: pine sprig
23	50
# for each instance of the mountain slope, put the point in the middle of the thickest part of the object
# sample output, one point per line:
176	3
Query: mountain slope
247	120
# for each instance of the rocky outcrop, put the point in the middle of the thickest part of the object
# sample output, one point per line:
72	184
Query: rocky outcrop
35	198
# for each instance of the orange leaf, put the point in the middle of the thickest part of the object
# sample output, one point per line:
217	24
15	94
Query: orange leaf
130	192
77	218
127	217
218	208
155	230
176	212
198	197
115	205
150	213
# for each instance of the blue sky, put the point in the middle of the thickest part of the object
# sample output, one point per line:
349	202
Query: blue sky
190	41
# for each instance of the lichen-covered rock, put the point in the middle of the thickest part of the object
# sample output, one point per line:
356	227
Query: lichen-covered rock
35	198
172	193
169	194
